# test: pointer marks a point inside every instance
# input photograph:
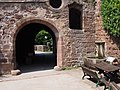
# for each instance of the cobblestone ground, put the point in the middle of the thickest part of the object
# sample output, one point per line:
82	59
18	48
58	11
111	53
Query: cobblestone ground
48	80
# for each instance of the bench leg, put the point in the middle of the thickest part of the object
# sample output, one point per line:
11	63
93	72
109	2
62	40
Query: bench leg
105	87
86	75
97	83
110	88
83	76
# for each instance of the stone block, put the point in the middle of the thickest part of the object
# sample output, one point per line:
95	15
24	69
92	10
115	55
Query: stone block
57	68
15	72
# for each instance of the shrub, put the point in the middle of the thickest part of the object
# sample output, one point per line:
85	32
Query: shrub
43	37
110	10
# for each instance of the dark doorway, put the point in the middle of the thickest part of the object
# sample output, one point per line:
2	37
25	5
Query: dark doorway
26	58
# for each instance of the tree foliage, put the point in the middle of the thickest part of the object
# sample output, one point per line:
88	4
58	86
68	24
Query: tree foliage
43	37
111	16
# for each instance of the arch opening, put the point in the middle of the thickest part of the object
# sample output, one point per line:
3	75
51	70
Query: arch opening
75	16
55	3
26	58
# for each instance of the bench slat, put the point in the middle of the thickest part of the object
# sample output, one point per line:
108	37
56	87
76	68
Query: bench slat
90	72
114	86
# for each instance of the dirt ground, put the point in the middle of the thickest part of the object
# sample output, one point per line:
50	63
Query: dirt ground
48	80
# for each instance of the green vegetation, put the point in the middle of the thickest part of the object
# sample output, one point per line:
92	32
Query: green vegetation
44	38
111	16
70	68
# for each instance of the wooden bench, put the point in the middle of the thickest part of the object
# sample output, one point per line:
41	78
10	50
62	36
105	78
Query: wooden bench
100	79
109	85
114	86
105	82
89	64
90	73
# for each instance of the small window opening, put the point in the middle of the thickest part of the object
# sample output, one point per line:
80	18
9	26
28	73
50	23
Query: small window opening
55	3
75	18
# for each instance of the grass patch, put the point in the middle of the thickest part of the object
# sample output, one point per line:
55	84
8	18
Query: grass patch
70	68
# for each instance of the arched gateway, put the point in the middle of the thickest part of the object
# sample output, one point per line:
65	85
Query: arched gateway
23	40
70	23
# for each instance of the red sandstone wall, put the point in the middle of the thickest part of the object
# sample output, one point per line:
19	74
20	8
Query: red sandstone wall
112	44
72	44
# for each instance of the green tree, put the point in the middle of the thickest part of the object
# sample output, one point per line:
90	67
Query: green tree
43	37
111	16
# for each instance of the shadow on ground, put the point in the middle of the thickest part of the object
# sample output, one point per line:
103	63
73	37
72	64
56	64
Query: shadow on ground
43	61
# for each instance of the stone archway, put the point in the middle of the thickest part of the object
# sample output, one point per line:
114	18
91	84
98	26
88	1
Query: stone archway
48	24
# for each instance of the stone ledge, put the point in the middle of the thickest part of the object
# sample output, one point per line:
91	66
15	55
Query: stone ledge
15	72
93	60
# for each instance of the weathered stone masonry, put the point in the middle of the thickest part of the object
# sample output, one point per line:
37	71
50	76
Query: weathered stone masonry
72	44
112	44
